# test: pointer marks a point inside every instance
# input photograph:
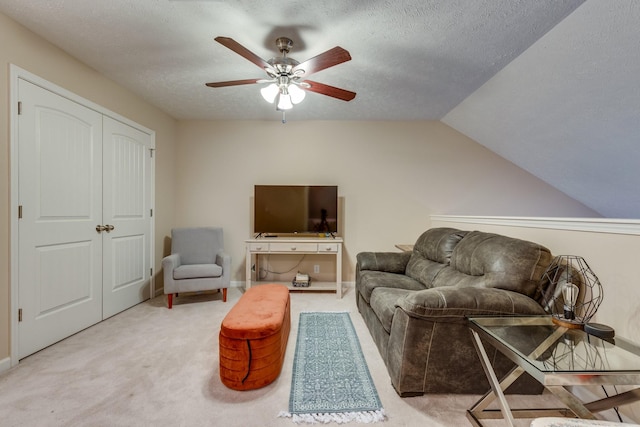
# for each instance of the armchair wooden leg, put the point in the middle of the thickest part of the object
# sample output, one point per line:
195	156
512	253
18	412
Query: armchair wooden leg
170	300
224	294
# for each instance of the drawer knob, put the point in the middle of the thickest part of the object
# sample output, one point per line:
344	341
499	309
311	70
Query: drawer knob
259	248
293	248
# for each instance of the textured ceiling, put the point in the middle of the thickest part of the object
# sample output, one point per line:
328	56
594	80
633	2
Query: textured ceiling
549	84
412	59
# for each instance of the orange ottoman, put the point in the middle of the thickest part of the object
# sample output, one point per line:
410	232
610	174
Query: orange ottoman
253	337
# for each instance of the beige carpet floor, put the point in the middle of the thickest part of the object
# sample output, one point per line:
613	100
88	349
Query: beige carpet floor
151	366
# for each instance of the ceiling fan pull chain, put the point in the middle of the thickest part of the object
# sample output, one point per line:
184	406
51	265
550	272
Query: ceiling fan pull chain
284	117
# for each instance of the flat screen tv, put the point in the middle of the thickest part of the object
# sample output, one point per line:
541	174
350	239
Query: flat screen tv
287	209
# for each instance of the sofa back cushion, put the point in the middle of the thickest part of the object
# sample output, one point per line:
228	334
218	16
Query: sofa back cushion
431	252
495	261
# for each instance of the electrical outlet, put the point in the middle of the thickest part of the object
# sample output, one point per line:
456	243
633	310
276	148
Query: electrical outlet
316	268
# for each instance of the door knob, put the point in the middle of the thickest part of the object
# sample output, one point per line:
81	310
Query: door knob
108	228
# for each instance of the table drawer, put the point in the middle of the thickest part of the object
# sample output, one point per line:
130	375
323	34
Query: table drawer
293	247
259	247
328	247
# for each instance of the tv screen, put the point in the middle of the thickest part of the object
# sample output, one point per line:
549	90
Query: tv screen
295	209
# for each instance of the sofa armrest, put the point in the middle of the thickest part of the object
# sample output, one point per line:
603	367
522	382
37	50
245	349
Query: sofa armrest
390	262
451	304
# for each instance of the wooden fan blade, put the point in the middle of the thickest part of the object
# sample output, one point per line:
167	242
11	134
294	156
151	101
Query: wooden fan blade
332	91
243	51
234	83
332	57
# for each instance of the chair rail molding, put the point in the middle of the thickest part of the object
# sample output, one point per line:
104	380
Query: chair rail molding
595	225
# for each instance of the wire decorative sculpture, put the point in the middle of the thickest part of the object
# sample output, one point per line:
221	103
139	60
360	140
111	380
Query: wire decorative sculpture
571	292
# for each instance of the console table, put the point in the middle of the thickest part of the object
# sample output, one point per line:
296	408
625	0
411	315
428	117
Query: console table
295	245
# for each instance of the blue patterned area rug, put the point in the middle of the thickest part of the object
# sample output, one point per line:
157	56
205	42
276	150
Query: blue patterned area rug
331	381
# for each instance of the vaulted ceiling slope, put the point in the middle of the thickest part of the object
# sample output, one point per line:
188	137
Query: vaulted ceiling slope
548	84
568	108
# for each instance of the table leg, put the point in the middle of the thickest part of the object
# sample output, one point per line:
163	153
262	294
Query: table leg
489	397
614	401
572	402
493	381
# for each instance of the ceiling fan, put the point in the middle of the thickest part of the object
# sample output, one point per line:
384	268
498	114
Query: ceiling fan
286	76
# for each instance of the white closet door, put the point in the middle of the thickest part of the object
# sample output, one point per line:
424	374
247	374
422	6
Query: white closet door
60	192
127	208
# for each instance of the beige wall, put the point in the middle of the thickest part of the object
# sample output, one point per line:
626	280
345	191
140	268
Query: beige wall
391	175
30	52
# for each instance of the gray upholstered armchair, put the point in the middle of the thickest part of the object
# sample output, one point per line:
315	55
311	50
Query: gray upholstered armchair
197	262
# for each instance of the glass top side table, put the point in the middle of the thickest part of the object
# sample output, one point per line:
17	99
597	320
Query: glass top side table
556	357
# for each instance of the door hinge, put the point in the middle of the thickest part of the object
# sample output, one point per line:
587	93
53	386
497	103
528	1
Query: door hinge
19	211
151	271
151	150
19	107
150	212
19	315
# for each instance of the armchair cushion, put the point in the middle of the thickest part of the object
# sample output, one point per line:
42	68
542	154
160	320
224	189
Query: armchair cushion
193	271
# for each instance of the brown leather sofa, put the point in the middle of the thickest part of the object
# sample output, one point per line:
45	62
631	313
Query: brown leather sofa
416	305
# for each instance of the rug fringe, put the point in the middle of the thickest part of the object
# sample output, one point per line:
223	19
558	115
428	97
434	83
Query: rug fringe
366	417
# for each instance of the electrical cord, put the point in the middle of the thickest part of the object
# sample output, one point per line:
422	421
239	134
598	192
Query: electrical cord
614	408
266	271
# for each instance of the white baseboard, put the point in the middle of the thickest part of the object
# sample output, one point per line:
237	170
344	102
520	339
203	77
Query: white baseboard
5	364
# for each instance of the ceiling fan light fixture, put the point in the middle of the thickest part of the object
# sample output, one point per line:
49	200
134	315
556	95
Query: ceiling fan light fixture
270	92
284	102
297	94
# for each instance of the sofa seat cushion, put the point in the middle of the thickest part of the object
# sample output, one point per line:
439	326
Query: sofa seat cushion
383	304
194	271
370	280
